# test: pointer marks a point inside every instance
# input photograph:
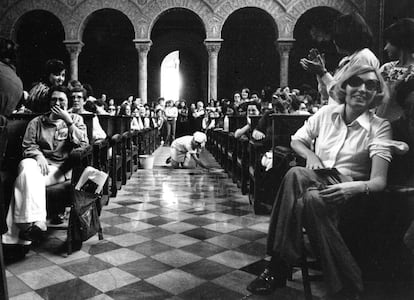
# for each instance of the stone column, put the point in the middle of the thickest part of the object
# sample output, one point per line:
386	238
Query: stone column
213	48
74	48
143	47
284	47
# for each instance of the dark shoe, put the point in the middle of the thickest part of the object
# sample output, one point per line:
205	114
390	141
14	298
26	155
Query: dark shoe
266	283
63	248
168	160
13	252
33	234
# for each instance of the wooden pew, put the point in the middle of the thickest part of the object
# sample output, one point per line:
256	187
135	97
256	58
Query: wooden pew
263	185
108	124
100	153
123	127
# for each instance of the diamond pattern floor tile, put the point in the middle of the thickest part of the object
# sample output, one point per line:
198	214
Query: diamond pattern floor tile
169	234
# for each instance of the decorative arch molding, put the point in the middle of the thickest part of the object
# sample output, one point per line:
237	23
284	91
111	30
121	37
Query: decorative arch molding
11	17
271	7
297	8
84	11
155	9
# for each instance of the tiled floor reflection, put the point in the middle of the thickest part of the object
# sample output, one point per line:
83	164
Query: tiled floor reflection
170	234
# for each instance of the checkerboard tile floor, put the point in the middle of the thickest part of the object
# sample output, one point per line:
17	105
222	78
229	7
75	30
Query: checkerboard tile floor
169	234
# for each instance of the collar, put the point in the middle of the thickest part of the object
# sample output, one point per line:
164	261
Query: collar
363	120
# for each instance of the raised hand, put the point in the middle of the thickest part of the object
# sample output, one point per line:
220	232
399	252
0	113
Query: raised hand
61	113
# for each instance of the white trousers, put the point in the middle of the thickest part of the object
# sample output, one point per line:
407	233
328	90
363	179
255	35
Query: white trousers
28	203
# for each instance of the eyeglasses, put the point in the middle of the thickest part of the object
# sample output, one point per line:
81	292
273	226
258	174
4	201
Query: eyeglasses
370	84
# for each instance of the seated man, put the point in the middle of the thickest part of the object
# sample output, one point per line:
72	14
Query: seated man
185	151
48	140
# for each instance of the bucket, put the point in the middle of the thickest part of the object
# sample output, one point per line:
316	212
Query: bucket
146	161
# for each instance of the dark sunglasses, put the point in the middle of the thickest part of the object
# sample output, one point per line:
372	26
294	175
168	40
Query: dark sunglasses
370	84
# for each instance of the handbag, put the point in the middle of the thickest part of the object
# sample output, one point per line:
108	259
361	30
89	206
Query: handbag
84	220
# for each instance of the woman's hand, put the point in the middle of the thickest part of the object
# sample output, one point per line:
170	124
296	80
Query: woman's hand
338	194
62	114
313	162
43	165
316	66
258	135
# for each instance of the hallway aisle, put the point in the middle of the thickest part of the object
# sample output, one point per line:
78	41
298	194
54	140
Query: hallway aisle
169	234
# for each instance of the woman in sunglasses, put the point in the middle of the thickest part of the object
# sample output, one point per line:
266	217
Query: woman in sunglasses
348	161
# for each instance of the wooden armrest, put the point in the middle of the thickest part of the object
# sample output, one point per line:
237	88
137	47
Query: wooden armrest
100	144
257	145
79	154
126	135
115	139
400	189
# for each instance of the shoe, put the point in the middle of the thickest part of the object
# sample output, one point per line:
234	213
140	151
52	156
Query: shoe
168	160
33	234
266	283
63	248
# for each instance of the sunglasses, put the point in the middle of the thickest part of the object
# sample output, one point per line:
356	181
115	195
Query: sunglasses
370	84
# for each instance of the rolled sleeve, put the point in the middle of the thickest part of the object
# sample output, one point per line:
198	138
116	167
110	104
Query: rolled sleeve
379	147
309	131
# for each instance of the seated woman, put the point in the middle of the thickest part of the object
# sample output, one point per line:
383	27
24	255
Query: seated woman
78	96
253	109
348	161
48	140
209	121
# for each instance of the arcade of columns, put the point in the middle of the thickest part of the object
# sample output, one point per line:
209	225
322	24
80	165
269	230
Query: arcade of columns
143	14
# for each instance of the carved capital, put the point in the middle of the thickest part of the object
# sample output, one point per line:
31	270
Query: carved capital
143	46
74	48
285	46
213	46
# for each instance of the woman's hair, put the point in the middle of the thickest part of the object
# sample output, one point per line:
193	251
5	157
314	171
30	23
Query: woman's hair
79	89
400	34
246	90
90	106
352	33
53	66
122	111
340	86
59	88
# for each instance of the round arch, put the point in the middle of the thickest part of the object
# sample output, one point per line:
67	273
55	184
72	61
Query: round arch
273	8
10	19
156	9
83	13
299	7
